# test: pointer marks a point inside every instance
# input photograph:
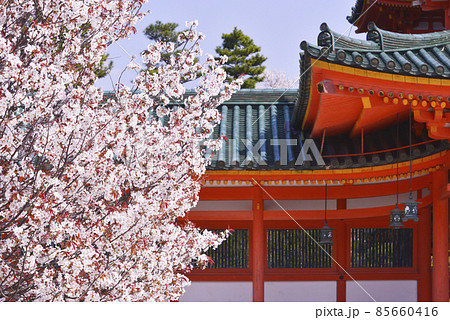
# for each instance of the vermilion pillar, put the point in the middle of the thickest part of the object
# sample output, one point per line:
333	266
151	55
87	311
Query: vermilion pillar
340	245
424	255
447	19
440	237
258	245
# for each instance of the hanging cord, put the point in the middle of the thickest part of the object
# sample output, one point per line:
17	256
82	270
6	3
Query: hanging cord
410	149
398	156
325	202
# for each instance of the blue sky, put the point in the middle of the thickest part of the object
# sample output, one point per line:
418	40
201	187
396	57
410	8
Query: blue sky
277	27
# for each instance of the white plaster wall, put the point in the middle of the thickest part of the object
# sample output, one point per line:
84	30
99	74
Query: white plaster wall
226	205
383	291
218	291
425	192
300	291
374	202
270	205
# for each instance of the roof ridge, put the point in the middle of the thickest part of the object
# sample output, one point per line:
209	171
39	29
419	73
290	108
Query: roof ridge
391	50
386	51
393	40
328	37
382	40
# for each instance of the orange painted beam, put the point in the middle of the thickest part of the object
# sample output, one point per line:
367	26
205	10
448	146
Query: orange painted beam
341	204
356	175
226	193
305	275
344	191
206	275
302	275
438	132
349	77
330	275
298	214
435	120
220	215
364	213
315	192
385	274
437	115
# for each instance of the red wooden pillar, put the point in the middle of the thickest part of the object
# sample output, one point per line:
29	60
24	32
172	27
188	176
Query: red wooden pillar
258	245
447	19
440	237
424	255
341	244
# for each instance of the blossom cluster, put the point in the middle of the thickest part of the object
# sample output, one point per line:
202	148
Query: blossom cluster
94	188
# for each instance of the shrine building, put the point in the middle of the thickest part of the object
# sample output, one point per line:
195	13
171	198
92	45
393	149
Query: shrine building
367	131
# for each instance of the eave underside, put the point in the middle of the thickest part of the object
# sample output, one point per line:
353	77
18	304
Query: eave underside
399	16
352	101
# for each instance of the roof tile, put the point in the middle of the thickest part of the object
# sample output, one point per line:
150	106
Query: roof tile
424	55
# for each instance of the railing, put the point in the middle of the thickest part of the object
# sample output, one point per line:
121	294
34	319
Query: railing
232	253
293	248
381	248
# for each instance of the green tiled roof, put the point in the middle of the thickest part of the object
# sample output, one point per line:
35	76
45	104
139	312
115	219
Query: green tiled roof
388	40
246	124
425	55
252	117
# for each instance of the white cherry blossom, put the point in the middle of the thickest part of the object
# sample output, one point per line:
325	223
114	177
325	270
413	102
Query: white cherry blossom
94	188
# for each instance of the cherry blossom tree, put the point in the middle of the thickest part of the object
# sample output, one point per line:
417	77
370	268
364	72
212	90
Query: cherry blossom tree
92	188
275	79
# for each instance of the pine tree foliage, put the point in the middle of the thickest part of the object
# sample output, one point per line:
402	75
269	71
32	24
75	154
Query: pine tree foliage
104	68
244	59
164	32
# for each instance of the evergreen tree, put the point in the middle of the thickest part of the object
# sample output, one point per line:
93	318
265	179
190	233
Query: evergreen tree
103	69
165	32
243	58
162	31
